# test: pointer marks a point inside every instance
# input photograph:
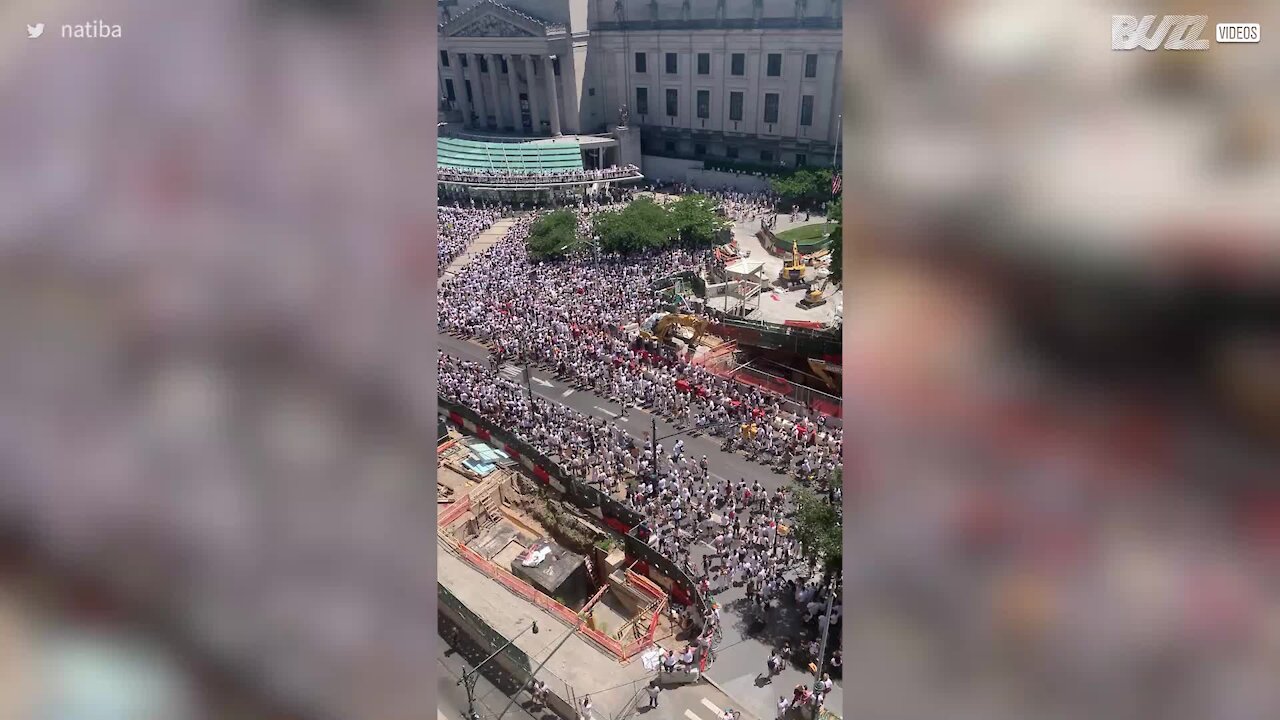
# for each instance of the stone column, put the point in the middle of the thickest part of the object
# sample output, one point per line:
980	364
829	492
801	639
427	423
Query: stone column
514	86
499	107
553	92
460	89
535	108
477	89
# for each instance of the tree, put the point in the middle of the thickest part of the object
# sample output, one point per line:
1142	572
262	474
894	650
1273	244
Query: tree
553	235
819	528
642	225
694	219
836	214
806	187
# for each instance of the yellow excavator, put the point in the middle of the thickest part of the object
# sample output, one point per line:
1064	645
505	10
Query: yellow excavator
794	273
663	328
813	298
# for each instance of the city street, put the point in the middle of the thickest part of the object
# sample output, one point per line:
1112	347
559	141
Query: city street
741	658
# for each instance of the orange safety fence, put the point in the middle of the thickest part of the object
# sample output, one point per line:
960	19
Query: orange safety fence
536	597
516	585
761	380
645	584
455	511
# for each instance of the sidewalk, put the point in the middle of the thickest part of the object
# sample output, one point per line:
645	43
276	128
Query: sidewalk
740	657
698	701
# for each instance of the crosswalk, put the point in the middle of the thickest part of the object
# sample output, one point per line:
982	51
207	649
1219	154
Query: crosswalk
511	372
715	712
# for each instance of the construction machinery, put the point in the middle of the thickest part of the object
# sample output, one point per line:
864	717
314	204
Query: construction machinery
793	273
828	372
813	298
663	327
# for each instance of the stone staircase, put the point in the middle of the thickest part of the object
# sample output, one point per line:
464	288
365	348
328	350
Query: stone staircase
486	240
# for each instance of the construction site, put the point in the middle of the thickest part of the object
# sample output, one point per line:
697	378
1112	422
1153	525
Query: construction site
771	317
512	552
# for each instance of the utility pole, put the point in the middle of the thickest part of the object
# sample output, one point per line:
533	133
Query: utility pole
470	677
654	420
528	384
822	648
538	669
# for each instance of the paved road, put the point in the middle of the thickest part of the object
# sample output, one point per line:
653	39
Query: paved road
740	657
636	422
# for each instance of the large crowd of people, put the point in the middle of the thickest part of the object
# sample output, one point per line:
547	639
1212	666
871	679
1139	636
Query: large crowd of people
459	226
548	177
682	503
573	318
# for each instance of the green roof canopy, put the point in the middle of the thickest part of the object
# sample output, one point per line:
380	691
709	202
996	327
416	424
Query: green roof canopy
528	157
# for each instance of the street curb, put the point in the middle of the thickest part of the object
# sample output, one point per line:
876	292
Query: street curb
741	706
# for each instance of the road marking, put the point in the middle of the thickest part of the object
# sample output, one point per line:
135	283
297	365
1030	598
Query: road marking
691	715
568	392
711	706
540	381
610	413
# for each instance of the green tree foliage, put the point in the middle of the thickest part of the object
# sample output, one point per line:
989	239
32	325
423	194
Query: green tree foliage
640	226
695	220
807	187
553	235
836	213
819	528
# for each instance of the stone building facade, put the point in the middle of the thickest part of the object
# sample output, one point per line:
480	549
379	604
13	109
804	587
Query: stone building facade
751	81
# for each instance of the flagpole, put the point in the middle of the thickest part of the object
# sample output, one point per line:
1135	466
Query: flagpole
835	157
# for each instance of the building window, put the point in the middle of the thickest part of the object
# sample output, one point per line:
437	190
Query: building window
766	156
811	66
669	147
738	64
699	149
484	64
731	152
806	110
671	64
704	104
503	61
448	89
673	102
771	108
704	63
466	85
642	101
463	58
444	58
640	63
591	92
735	106
774	67
801	160
555	66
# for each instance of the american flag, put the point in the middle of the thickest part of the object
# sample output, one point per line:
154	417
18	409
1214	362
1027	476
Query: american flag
835	184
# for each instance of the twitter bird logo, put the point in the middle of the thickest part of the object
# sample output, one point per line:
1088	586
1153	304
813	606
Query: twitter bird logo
35	31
